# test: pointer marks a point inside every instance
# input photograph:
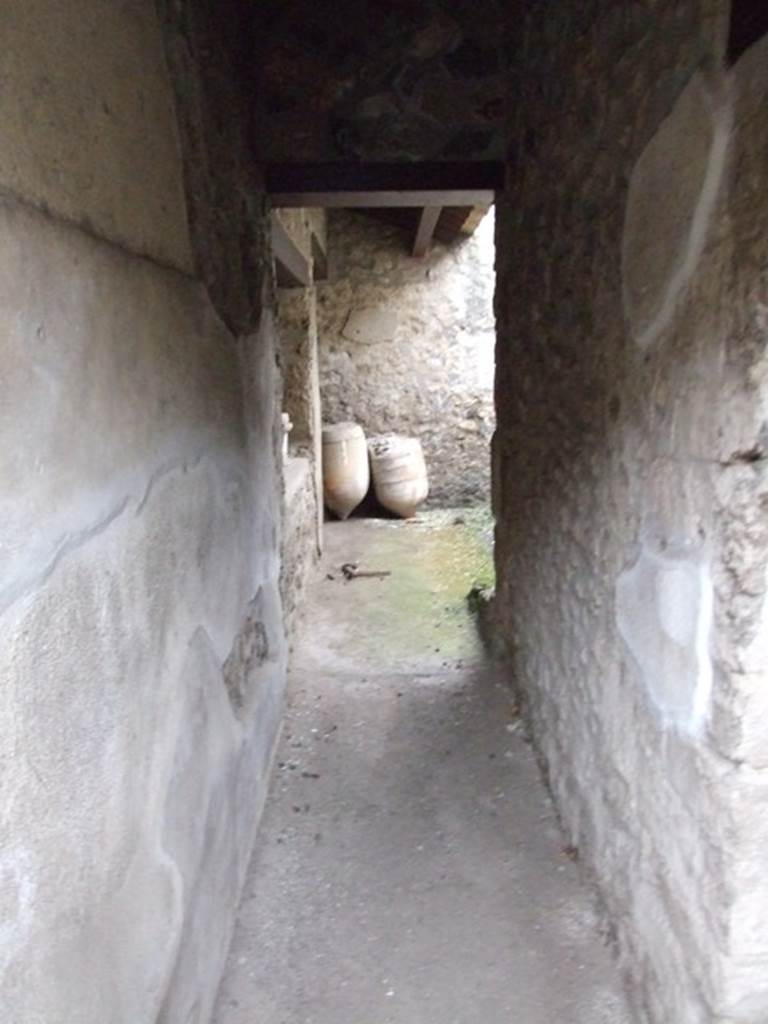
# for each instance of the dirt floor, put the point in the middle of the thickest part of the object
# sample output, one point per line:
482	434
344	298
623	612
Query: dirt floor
409	868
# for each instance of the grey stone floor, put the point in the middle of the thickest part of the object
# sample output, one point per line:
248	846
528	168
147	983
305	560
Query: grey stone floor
409	868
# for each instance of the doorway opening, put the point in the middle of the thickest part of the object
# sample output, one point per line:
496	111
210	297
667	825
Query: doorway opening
386	321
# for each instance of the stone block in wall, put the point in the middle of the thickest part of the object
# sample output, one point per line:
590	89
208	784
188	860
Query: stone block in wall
89	126
371	326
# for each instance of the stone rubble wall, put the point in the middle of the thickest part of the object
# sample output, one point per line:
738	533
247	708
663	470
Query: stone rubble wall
406	346
299	549
630	481
141	643
297	321
302	474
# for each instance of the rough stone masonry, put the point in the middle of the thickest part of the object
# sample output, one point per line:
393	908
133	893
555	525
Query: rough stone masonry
630	478
406	346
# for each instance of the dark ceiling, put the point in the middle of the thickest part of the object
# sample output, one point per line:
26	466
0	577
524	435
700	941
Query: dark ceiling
379	80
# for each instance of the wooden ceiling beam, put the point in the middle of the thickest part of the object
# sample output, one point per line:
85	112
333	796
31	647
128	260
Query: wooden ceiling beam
369	200
448	183
442	176
458	222
425	230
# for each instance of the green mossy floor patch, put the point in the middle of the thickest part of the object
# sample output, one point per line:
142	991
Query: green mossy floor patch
421	608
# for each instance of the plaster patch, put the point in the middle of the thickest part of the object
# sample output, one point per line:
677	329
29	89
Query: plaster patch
17	891
34	567
251	662
37	573
672	195
664	614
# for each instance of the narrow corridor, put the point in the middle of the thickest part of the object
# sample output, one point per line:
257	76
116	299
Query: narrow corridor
409	868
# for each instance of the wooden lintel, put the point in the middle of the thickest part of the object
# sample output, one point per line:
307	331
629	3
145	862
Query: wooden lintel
291	265
423	176
370	200
425	230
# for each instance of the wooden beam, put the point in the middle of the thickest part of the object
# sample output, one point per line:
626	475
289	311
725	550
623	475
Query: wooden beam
442	176
425	229
472	223
291	265
459	221
448	183
370	200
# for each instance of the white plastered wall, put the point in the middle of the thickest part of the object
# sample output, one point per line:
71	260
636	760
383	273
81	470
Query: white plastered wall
141	642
